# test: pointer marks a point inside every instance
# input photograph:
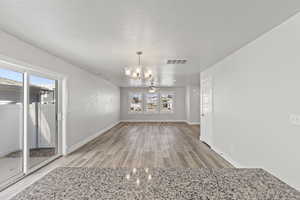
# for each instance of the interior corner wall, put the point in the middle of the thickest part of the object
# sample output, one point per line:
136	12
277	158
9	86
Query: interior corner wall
93	103
179	109
255	92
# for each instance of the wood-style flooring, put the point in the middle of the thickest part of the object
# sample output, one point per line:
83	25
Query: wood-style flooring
163	145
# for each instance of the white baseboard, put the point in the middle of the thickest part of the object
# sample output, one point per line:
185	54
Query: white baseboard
141	120
227	157
192	123
138	120
238	165
90	138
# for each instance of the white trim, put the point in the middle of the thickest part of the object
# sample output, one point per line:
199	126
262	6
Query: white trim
64	110
239	165
88	139
154	120
23	66
228	158
192	123
137	120
25	122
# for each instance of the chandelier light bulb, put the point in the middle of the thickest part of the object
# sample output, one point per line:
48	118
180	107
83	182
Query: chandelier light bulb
127	72
148	75
138	70
134	170
134	75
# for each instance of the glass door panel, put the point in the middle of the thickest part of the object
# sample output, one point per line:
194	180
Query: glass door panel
42	120
11	125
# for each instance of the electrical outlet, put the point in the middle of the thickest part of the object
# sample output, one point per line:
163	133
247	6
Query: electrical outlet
295	119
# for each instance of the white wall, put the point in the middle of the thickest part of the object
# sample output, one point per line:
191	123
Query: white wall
255	91
93	103
193	104
178	115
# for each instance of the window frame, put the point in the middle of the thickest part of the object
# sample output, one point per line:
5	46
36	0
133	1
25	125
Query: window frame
161	110
130	95
157	111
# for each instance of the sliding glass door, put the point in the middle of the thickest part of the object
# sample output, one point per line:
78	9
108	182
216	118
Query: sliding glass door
11	124
42	122
28	123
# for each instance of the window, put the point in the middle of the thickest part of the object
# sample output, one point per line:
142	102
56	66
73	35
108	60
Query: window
167	102
140	102
135	102
151	102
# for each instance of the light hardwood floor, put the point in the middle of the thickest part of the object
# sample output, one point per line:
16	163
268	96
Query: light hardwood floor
137	145
164	145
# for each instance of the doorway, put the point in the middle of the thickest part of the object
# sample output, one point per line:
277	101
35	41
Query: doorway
206	106
30	134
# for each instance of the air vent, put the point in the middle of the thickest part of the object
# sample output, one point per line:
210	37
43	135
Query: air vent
177	61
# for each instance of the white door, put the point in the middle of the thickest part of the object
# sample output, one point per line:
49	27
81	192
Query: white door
206	100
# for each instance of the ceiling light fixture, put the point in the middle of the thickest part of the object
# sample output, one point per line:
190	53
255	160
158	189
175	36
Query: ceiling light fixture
139	72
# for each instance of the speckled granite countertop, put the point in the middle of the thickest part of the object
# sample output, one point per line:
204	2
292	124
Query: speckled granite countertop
156	184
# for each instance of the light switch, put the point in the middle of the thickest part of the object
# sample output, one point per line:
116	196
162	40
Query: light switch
295	119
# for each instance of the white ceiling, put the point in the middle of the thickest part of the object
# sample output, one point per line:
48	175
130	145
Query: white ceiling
102	36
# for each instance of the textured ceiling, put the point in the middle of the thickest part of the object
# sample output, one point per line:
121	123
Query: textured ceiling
103	36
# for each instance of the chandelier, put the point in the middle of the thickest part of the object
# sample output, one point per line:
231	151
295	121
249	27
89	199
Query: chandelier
139	72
